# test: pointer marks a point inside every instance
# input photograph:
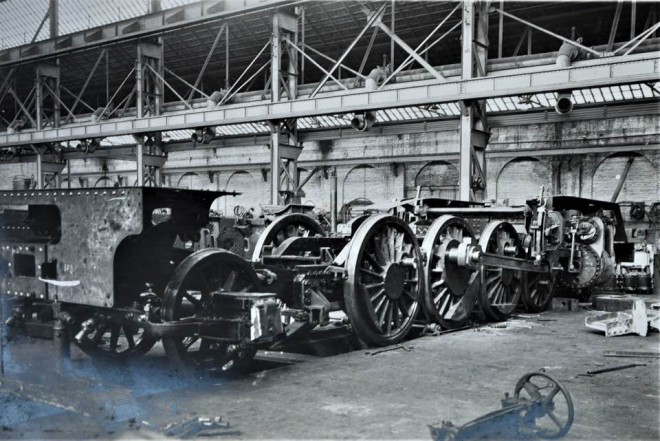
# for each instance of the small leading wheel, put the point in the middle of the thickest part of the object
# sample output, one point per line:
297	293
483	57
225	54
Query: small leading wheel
447	284
106	339
500	287
551	412
538	291
285	227
190	295
385	280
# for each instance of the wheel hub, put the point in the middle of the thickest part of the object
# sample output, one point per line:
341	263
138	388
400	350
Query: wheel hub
395	279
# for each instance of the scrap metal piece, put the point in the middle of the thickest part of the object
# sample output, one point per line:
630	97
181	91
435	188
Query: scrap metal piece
637	321
613	368
631	354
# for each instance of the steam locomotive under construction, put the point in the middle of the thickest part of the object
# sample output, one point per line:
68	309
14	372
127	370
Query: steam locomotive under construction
115	268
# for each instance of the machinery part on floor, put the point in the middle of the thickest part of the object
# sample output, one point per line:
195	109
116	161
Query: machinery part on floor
631	354
500	287
110	335
541	408
448	284
283	228
216	294
636	321
384	284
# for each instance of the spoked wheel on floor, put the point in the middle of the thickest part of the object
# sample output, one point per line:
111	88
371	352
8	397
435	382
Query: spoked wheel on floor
551	414
385	281
190	294
500	287
108	338
451	289
285	227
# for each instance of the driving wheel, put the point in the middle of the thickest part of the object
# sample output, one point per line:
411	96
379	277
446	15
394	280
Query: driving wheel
450	289
285	227
500	287
190	295
385	282
551	412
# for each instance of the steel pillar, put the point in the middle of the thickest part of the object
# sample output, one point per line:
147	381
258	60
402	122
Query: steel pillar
149	81
284	148
53	18
474	129
284	152
285	26
48	95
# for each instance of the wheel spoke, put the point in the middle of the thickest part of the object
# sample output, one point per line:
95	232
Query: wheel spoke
402	307
378	294
371	273
193	300
388	320
229	282
370	286
374	263
555	420
383	313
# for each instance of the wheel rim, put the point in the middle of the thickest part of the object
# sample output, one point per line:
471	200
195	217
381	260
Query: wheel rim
500	288
119	341
552	415
447	284
384	285
285	227
189	294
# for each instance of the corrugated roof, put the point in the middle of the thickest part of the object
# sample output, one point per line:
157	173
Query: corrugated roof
20	19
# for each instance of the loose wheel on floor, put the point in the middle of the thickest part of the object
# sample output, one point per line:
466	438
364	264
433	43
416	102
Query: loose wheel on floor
107	339
500	287
551	417
385	280
450	289
189	295
285	227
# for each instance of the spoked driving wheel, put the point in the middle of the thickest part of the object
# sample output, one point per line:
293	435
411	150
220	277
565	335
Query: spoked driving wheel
285	227
551	412
190	295
108	338
538	292
385	280
450	289
500	287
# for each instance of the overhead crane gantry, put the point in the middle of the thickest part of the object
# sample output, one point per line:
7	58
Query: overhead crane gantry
286	104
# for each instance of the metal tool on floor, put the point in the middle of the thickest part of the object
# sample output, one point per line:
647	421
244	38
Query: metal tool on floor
199	426
612	369
541	408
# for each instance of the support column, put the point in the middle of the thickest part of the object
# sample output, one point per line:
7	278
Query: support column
148	76
285	26
284	147
48	95
284	152
474	128
53	18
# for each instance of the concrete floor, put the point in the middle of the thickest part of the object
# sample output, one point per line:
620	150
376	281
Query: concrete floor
389	395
